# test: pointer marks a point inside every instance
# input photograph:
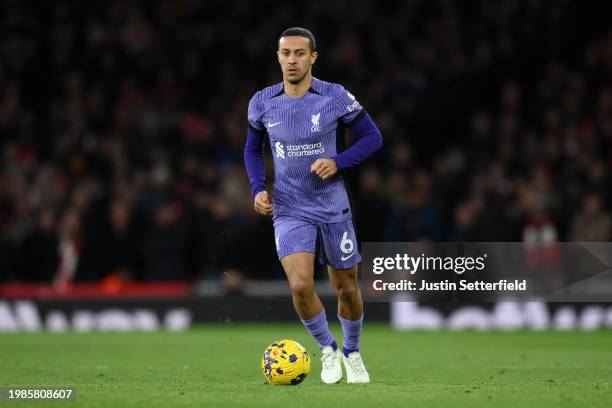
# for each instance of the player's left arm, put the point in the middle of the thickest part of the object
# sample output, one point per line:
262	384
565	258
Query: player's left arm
369	137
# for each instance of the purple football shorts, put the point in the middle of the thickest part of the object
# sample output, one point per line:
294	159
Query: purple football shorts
336	242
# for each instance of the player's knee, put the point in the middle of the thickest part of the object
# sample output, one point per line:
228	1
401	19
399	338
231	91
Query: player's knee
302	288
347	293
343	282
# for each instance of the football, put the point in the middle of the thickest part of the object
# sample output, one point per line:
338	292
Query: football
285	362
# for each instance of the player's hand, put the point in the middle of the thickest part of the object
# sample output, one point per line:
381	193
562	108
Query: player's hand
324	168
262	203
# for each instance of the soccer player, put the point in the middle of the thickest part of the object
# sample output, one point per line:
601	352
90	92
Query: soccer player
303	117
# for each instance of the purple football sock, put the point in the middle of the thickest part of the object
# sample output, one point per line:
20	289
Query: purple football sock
318	328
351	330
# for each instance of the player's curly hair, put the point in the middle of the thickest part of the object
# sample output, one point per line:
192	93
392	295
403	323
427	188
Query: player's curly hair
300	32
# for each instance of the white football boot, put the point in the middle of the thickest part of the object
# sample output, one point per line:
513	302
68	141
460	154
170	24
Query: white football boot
332	365
356	372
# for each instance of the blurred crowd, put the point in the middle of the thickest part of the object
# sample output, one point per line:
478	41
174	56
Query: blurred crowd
122	126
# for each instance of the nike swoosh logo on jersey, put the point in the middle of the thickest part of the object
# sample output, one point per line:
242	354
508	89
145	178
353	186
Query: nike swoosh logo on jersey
270	124
345	258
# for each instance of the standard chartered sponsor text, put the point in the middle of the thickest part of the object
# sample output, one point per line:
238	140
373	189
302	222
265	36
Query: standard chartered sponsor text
305	149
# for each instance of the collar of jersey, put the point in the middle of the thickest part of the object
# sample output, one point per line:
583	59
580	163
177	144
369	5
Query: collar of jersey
313	88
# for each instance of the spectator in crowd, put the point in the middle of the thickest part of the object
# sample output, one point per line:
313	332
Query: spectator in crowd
40	252
591	224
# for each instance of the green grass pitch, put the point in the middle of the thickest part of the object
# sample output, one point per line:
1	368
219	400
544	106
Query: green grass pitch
219	366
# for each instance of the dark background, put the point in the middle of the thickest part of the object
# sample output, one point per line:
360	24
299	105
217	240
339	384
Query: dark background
122	126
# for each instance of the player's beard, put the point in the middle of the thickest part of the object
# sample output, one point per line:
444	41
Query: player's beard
296	81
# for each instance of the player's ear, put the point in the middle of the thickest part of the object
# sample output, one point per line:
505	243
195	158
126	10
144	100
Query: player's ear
313	57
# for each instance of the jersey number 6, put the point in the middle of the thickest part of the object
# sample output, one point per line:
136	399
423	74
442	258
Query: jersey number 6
346	245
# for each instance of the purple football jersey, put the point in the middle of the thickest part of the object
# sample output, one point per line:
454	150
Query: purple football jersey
302	130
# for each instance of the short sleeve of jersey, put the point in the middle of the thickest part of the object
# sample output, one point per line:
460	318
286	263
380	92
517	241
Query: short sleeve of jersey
347	107
255	112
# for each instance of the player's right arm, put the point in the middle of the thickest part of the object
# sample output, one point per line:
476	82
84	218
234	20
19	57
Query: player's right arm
254	157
